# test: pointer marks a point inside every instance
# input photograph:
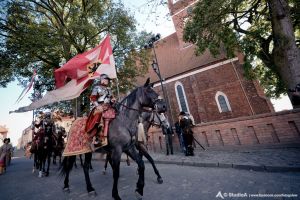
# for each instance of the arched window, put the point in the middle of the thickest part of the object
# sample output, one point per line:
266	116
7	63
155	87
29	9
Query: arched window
222	102
181	97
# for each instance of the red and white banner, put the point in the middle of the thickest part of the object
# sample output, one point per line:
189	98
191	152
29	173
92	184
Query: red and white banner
77	74
27	88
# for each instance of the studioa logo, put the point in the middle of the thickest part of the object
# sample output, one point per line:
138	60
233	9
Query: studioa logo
219	195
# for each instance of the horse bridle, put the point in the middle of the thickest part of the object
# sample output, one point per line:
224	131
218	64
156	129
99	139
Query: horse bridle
154	114
144	109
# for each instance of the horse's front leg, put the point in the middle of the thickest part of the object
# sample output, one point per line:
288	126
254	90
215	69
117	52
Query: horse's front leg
48	163
86	167
106	162
40	164
60	158
35	164
115	163
54	158
141	169
143	151
66	168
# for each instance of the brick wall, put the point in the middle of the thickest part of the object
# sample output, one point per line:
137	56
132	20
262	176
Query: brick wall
263	129
245	97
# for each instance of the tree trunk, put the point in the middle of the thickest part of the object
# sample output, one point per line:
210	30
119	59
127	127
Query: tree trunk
285	52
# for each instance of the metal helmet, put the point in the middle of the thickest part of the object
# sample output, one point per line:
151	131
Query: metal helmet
47	114
104	76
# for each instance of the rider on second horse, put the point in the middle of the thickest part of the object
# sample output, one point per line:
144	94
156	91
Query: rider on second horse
101	99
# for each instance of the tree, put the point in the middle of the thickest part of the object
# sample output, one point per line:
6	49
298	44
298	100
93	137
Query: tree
264	30
43	34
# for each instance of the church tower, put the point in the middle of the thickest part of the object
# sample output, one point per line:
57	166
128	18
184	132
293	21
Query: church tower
180	11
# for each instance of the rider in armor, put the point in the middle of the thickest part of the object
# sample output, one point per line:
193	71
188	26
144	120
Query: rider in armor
43	128
101	99
36	131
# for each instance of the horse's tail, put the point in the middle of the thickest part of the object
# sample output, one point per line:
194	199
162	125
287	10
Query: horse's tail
67	165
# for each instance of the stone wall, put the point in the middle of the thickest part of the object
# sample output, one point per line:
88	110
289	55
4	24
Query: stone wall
263	129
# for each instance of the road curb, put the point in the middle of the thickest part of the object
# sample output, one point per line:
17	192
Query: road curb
260	168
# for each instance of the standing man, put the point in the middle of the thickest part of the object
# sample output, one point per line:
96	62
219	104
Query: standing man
168	133
295	96
5	150
186	126
178	130
9	153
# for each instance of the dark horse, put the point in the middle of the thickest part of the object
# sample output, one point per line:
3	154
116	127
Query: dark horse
45	143
122	138
148	119
59	143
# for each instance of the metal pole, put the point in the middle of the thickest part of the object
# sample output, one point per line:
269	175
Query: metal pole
118	90
162	87
76	107
198	143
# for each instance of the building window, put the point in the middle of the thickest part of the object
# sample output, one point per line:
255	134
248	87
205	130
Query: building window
189	10
222	102
181	97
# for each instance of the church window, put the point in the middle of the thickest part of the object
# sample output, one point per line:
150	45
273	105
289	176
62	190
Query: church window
222	102
181	97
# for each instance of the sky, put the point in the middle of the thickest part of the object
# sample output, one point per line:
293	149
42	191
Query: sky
150	17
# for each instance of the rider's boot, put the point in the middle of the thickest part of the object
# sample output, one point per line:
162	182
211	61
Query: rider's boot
103	136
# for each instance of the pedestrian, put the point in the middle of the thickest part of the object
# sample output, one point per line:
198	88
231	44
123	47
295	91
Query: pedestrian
186	126
5	150
168	133
178	130
10	153
295	96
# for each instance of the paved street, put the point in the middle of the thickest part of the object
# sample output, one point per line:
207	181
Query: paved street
180	182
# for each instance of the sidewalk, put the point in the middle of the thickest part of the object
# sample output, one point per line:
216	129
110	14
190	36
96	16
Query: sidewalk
271	159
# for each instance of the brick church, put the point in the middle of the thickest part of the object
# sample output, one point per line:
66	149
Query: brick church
228	109
210	88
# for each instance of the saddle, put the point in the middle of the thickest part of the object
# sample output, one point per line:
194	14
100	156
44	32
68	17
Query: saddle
101	140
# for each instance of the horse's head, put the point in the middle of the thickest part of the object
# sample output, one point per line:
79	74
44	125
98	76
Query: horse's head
149	98
61	131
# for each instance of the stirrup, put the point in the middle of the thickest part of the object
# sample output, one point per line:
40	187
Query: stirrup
92	147
104	141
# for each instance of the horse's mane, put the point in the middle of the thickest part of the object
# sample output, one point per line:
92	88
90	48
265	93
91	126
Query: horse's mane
128	100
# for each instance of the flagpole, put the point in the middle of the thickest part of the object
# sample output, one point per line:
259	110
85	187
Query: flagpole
33	95
118	90
76	107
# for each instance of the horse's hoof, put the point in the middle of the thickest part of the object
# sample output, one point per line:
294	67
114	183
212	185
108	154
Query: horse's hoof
92	193
66	190
138	196
40	174
47	174
116	197
33	170
160	180
104	172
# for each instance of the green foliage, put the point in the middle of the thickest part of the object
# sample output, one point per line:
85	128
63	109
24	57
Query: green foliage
240	25
44	34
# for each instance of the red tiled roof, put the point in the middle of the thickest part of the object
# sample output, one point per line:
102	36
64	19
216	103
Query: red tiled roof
174	60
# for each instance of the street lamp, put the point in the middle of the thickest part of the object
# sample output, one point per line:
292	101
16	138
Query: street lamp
155	66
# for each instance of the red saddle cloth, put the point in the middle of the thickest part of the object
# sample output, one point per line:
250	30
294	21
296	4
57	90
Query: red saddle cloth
94	119
110	113
78	141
